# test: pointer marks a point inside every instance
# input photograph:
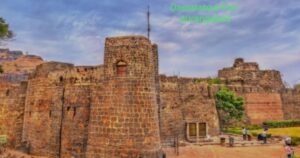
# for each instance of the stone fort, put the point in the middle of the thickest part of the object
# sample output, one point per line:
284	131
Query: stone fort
125	108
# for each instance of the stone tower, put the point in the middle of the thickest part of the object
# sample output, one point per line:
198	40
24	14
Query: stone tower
124	112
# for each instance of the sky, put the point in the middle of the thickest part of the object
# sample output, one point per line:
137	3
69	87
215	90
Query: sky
74	31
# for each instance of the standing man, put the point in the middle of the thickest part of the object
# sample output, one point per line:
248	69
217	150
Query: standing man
244	132
264	135
248	134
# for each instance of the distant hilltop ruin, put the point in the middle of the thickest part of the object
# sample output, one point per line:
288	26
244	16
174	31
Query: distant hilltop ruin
125	108
7	55
17	66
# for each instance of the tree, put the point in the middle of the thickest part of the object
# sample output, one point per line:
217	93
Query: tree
5	32
229	106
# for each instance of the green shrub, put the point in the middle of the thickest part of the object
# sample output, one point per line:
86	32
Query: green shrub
198	80
209	80
235	130
281	124
295	141
238	130
214	81
253	127
3	139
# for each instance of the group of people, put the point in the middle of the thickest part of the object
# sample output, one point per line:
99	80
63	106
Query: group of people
264	136
246	134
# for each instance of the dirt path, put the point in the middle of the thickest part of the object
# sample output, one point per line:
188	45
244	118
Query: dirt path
274	151
16	154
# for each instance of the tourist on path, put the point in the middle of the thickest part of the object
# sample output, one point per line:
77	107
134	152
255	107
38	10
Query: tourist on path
244	132
289	151
288	140
265	135
248	134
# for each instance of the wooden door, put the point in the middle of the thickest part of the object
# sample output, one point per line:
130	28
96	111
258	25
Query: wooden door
202	129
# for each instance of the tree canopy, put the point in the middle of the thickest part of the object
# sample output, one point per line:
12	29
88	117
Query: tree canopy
229	106
5	32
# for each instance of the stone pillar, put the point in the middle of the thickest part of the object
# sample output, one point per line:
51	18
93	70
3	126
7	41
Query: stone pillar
188	131
197	132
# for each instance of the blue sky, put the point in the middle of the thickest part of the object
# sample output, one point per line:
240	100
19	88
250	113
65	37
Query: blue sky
266	31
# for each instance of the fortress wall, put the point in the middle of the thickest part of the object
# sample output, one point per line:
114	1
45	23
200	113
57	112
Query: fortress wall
81	74
249	74
124	111
182	101
78	83
75	120
57	109
43	112
291	104
171	118
271	80
94	111
262	107
261	89
12	106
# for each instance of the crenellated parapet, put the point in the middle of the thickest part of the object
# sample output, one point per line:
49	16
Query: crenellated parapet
249	74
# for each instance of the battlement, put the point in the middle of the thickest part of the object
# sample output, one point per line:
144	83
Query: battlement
84	75
130	56
248	73
239	64
45	68
127	40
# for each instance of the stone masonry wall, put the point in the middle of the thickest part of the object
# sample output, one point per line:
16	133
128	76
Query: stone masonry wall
103	111
184	100
12	104
262	107
75	120
260	88
248	73
291	104
124	118
260	104
57	109
43	112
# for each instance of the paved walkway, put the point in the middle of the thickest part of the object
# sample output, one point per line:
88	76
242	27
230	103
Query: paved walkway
216	151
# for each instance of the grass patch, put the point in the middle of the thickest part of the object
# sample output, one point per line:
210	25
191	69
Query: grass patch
291	131
283	124
235	130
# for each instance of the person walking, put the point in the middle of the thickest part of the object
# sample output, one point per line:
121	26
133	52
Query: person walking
289	151
244	132
265	135
288	140
248	134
